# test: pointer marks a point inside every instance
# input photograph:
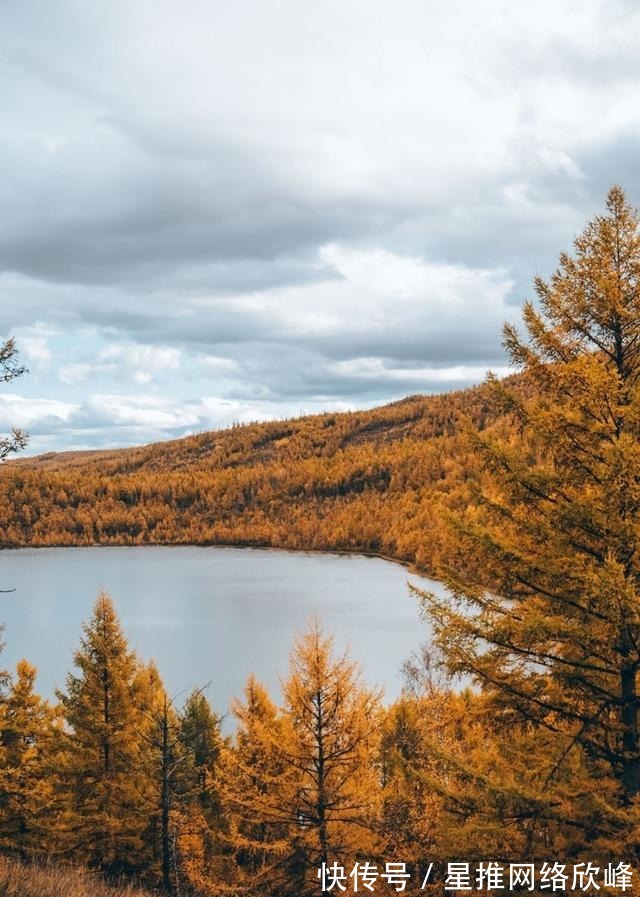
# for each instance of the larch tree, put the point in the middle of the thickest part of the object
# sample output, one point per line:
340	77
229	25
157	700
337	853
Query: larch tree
106	810
544	579
10	368
418	731
179	772
198	818
202	742
24	717
254	775
312	798
161	760
334	733
26	782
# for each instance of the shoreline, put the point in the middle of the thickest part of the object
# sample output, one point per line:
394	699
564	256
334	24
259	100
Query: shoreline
257	546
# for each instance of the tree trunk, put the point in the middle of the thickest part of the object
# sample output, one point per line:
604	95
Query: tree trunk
321	805
166	804
629	719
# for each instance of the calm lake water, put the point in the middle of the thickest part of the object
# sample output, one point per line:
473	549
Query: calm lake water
209	614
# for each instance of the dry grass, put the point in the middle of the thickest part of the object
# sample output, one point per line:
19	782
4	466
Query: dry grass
48	880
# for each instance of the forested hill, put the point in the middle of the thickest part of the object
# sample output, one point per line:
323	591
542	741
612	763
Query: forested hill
367	480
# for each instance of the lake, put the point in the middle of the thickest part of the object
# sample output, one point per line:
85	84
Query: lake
210	614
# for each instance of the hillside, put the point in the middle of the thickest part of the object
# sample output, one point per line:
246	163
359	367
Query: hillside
363	481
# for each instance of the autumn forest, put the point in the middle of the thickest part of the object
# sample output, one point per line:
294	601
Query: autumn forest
517	734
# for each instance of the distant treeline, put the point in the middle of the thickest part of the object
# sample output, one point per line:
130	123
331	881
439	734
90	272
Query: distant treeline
367	481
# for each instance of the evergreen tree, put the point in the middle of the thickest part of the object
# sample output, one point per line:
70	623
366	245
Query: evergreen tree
545	566
106	813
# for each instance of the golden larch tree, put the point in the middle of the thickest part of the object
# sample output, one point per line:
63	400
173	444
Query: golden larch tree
313	798
106	809
26	774
544	568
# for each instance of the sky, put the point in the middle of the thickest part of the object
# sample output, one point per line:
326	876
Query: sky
221	212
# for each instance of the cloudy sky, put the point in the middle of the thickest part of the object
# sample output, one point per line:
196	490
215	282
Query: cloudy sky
217	212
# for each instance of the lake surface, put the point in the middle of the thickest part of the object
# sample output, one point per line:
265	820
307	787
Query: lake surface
210	614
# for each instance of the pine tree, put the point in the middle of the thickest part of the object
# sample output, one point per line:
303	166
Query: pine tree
106	812
546	565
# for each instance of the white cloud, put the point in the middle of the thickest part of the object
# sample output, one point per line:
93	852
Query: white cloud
557	161
385	302
216	364
19	411
376	369
33	342
149	411
291	205
214	412
141	364
130	361
150	358
75	372
36	349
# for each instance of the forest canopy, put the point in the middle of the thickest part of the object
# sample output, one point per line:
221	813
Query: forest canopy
361	481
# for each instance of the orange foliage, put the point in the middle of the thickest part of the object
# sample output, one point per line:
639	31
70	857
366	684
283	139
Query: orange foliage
367	481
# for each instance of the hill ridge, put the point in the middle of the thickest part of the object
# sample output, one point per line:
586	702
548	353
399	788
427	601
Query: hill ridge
367	480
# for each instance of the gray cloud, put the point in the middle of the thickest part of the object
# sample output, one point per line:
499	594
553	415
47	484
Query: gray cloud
334	204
